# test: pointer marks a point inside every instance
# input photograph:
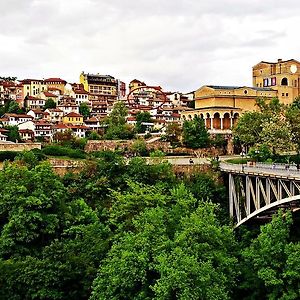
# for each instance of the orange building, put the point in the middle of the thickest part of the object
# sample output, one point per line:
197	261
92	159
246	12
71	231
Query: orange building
282	76
221	106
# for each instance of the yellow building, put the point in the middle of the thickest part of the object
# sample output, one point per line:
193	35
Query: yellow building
134	84
282	76
33	87
57	83
73	118
221	106
100	87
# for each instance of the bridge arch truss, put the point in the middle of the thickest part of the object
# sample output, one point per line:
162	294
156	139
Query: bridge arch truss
253	196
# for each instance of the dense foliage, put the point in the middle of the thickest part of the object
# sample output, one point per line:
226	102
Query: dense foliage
131	230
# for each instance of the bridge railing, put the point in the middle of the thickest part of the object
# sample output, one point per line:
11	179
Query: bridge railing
282	170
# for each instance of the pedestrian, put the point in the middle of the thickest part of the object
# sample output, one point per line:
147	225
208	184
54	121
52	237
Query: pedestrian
191	161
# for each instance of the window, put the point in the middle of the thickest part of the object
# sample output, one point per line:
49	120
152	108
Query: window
284	81
287	94
282	94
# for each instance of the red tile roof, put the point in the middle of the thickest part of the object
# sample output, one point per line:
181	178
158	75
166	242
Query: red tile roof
73	114
47	94
55	80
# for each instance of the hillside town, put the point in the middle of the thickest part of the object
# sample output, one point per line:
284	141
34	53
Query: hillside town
41	108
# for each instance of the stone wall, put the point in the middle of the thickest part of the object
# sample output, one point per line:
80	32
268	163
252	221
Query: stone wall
19	146
157	145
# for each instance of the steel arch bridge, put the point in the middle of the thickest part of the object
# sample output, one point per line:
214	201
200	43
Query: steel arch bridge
256	193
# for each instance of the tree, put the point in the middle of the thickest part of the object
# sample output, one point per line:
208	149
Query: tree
270	264
139	147
13	107
268	126
142	117
174	249
293	118
195	134
116	122
50	103
173	133
13	133
84	110
118	114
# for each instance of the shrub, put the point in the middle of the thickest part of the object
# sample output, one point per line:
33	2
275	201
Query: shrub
56	150
8	155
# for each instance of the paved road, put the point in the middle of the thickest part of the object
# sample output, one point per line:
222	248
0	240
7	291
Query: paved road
185	160
280	170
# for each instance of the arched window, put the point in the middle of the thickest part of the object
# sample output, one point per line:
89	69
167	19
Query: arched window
226	121
217	121
207	121
284	81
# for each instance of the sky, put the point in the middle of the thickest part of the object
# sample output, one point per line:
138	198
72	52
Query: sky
179	45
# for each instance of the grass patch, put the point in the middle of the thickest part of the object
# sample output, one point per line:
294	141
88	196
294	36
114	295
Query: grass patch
238	160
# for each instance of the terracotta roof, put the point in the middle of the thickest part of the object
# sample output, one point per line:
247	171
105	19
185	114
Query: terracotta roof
55	110
18	116
131	119
32	98
60	126
36	111
73	114
3	130
47	94
175	115
53	89
79	127
55	80
26	131
77	91
91	120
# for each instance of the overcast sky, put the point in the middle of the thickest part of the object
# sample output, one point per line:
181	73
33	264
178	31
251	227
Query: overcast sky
180	45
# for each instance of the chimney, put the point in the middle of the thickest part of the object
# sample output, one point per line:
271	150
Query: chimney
279	60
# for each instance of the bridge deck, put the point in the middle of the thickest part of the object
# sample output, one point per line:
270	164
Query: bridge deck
263	170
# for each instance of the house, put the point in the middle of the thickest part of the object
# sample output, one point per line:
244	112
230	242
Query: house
68	107
57	83
73	118
26	134
60	127
15	119
33	87
36	114
93	123
54	115
48	95
43	130
3	137
32	102
79	130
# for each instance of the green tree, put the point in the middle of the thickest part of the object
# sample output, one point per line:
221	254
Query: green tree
142	117
50	103
116	122
270	264
173	133
174	250
293	118
268	126
139	147
13	107
195	134
13	133
84	110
